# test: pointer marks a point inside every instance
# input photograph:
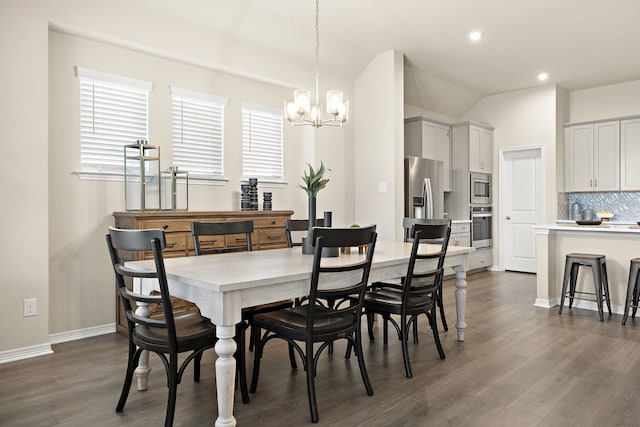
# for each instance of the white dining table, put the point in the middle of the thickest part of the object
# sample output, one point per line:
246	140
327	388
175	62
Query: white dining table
222	285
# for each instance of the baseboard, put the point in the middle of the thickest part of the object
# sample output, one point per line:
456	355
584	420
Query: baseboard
544	303
585	305
79	334
25	353
45	349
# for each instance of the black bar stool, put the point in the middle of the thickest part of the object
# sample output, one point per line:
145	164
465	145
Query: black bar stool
632	290
601	284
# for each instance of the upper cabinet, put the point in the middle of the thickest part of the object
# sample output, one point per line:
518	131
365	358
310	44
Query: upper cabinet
630	154
592	157
477	140
429	139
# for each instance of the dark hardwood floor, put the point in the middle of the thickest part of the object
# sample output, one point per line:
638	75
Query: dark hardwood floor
519	366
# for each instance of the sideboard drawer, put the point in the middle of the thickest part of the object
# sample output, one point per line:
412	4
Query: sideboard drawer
169	225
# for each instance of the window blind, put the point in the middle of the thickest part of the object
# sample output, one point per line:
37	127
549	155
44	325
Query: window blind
262	142
113	113
198	133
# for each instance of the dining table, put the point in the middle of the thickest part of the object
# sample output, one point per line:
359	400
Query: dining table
221	285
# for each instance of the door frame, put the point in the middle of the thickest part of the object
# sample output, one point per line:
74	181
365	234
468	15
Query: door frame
540	212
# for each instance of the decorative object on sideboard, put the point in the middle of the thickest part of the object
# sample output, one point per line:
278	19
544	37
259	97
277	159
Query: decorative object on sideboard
175	189
141	176
313	181
266	201
249	195
299	110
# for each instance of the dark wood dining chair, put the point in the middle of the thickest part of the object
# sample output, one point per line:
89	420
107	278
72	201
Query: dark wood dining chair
407	223
308	324
293	225
166	336
416	295
204	240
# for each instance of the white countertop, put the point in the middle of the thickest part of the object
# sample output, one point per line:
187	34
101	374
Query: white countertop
605	227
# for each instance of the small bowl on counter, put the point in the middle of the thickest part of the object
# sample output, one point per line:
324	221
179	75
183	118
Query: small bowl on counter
605	216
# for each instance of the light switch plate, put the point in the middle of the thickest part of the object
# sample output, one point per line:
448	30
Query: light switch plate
382	187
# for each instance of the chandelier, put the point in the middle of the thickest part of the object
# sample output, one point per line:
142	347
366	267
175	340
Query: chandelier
301	112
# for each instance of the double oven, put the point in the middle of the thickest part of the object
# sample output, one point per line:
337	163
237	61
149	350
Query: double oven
481	210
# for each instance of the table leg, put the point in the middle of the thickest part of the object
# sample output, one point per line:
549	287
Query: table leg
461	301
143	369
225	374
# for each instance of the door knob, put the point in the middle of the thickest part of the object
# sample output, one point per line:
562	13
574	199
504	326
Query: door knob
508	217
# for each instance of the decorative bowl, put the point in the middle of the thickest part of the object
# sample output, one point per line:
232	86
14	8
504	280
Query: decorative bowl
605	216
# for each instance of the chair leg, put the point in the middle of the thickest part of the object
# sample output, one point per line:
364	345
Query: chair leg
292	357
257	355
605	286
565	282
632	292
196	367
405	347
173	390
415	330
370	325
433	322
597	282
385	330
311	386
575	267
241	362
361	364
132	363
442	316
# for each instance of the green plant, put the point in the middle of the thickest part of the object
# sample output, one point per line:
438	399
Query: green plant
314	180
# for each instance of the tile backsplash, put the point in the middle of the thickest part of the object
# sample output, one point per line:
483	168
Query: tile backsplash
625	205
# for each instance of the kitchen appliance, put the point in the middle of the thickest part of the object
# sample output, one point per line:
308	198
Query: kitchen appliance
481	219
480	188
423	193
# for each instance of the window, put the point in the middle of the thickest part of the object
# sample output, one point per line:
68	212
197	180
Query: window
198	133
113	113
262	146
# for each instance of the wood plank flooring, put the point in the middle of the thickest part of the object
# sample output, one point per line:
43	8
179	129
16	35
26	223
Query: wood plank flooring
519	366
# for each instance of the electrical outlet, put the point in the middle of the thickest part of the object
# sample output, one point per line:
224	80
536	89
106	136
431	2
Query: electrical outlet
30	307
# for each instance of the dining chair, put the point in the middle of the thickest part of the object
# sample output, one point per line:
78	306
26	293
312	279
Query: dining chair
166	336
203	232
293	225
305	325
417	294
407	223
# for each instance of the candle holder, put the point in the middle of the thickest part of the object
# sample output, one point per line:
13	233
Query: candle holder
141	176
175	189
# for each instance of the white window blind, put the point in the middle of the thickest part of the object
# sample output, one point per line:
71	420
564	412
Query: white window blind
262	142
113	113
198	133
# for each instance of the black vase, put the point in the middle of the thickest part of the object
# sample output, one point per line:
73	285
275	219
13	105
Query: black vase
307	241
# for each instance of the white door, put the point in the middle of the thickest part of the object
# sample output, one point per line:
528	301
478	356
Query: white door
521	207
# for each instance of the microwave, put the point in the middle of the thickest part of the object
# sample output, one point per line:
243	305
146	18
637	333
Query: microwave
480	186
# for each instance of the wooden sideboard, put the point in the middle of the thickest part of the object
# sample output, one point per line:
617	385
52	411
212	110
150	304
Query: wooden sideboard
269	233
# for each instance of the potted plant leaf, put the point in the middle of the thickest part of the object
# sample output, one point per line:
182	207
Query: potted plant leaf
313	181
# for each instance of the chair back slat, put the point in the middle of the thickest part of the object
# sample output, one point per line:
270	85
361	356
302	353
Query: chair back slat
200	230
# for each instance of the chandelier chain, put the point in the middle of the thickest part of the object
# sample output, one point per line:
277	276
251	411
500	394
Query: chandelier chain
317	49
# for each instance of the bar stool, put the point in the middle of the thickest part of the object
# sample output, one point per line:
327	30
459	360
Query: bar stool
601	284
632	290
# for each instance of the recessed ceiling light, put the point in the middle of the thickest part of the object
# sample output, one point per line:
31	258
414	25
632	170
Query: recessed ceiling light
474	36
543	77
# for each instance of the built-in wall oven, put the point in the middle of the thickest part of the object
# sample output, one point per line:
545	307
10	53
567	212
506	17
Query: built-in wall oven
480	190
481	219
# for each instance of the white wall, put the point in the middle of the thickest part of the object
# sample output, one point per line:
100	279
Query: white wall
605	102
379	136
23	132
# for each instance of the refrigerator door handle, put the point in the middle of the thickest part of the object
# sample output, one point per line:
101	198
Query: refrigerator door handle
428	198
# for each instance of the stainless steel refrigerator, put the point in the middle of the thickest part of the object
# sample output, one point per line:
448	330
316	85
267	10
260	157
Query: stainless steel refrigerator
423	188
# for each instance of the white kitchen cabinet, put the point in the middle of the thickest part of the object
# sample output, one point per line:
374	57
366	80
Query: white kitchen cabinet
460	234
474	140
431	140
592	157
630	154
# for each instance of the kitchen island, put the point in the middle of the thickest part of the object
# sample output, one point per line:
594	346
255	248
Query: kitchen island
618	242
